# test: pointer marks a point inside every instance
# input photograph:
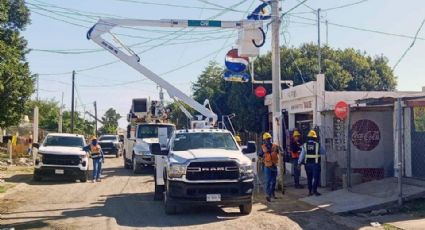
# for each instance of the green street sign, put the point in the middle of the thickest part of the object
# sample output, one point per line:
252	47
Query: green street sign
203	23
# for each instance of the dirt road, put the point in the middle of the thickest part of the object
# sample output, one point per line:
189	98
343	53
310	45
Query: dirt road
123	200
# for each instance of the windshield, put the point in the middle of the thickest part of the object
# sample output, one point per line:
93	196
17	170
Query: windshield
186	141
108	138
64	141
151	131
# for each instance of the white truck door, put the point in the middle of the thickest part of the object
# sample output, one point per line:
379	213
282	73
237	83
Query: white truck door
161	161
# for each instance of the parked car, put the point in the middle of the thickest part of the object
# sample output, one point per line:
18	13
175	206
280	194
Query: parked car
111	145
61	155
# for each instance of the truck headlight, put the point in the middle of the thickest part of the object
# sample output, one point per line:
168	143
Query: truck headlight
176	171
39	158
246	171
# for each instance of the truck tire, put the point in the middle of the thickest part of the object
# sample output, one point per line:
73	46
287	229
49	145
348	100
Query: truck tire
245	208
36	177
85	177
159	189
135	167
170	209
126	166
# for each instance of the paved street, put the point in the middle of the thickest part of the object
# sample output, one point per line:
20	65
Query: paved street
123	200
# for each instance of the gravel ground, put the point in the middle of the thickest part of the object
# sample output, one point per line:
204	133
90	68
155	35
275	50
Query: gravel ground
123	200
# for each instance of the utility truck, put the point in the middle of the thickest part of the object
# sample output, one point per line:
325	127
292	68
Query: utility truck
201	165
145	117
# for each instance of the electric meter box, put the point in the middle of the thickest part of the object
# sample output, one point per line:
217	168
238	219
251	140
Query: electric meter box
251	31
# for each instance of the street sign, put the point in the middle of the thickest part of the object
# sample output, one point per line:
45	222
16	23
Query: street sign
203	23
260	91
341	110
234	62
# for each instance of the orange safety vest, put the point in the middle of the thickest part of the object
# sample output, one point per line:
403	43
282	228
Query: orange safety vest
295	154
94	151
271	159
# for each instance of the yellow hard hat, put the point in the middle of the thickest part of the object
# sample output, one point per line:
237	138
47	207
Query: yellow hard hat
238	138
296	133
267	136
93	138
312	133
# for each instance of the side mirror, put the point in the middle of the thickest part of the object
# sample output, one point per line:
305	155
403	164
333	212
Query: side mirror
250	148
156	150
36	145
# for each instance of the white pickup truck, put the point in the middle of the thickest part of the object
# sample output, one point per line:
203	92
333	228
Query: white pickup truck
203	167
61	155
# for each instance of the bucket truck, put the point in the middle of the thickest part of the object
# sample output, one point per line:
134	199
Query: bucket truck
201	165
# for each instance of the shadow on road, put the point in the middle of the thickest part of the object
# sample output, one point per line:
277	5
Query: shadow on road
130	210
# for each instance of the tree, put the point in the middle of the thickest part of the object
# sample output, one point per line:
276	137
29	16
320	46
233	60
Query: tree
48	113
110	121
81	125
16	82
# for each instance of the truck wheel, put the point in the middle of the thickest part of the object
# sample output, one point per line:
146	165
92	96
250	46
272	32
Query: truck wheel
84	178
170	209
245	208
135	167
36	177
126	166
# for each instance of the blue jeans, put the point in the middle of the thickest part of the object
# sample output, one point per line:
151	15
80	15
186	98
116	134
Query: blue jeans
313	176
97	168
271	175
297	171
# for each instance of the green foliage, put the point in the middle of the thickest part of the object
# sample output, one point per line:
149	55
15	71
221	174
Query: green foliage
48	113
81	126
177	117
16	82
110	122
346	69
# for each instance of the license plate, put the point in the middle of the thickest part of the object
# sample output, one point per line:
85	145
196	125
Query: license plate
59	171
213	197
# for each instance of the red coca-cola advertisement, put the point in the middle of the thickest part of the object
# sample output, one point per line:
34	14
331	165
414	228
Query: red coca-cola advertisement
365	135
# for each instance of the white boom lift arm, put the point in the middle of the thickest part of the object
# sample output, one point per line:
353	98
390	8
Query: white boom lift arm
132	59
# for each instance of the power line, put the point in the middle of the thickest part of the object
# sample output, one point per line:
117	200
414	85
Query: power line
411	45
362	29
345	6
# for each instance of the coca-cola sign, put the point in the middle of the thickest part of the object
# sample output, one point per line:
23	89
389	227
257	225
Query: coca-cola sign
365	135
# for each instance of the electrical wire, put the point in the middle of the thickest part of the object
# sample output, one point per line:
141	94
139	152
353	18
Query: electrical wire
411	44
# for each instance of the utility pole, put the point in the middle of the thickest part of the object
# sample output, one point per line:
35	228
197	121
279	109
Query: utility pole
38	87
319	52
95	117
60	122
72	102
327	32
276	79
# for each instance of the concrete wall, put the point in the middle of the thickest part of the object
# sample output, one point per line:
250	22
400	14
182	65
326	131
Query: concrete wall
381	156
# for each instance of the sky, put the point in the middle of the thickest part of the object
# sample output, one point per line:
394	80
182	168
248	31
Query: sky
57	37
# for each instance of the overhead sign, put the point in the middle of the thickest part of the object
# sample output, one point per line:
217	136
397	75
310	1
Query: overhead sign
203	23
341	110
236	77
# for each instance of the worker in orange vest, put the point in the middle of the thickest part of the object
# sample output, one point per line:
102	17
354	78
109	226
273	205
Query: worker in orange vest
295	149
270	154
97	155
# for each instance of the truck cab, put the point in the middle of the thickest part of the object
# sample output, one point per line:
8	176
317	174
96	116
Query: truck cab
203	167
137	153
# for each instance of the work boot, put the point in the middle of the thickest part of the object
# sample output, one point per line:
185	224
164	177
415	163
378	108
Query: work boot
310	194
275	197
268	199
98	180
317	194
